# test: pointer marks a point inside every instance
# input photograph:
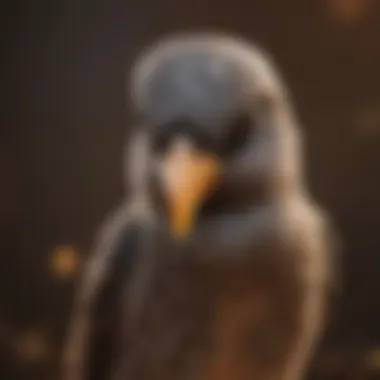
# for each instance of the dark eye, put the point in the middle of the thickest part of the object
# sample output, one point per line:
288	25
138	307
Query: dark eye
165	133
238	135
161	138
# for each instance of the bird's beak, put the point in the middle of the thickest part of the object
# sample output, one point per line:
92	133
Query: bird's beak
189	175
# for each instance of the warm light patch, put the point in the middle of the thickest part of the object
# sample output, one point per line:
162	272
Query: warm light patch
374	359
31	347
366	121
64	261
349	11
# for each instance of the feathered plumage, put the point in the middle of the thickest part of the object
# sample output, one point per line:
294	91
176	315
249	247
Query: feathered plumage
224	257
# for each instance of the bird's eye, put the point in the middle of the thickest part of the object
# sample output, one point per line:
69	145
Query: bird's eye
161	139
164	134
238	135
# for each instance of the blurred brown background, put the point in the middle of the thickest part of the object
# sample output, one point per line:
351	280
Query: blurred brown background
64	123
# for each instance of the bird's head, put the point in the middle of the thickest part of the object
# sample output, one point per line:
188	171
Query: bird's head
209	105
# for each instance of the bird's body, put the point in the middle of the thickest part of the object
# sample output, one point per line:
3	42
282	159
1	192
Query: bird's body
237	290
250	314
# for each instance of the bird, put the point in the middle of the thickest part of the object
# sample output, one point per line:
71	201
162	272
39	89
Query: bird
217	265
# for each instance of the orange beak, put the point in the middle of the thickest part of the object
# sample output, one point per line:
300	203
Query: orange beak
189	175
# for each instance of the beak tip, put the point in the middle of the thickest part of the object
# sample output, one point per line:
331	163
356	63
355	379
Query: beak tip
189	176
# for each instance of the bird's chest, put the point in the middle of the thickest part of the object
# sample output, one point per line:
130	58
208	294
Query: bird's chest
253	322
214	322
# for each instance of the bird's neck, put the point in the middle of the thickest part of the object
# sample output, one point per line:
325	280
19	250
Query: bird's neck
223	202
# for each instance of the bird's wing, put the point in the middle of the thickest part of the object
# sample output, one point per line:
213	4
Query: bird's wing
104	277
